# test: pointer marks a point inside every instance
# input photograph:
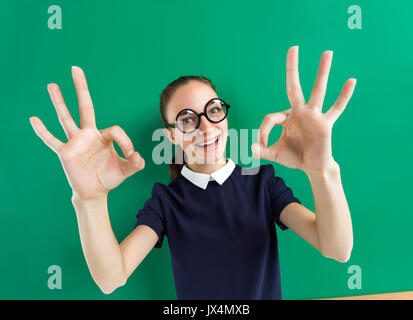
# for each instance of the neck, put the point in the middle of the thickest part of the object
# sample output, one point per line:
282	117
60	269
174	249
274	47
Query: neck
207	168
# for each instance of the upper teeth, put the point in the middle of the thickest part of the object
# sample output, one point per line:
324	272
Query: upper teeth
212	141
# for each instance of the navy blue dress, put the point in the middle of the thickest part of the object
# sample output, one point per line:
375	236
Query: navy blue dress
223	239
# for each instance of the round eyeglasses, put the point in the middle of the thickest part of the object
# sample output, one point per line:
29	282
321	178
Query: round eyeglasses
187	120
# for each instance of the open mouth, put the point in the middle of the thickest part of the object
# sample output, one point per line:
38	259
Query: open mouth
209	145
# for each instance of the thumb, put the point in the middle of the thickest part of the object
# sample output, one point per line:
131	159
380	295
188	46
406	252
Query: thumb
132	165
259	152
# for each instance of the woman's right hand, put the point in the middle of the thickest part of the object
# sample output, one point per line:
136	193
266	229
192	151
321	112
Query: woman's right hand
89	159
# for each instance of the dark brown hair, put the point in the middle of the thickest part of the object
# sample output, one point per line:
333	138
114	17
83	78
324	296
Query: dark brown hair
175	168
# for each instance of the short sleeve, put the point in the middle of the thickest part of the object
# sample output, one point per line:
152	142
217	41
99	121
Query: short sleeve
152	214
280	195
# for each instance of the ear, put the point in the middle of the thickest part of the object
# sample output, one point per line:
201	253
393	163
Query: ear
168	133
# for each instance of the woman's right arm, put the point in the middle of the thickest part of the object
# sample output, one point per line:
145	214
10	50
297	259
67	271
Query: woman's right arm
110	264
93	168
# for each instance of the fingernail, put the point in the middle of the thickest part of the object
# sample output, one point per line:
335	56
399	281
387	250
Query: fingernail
74	68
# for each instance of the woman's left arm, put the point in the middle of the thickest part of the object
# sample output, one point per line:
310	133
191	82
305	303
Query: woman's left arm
305	144
330	229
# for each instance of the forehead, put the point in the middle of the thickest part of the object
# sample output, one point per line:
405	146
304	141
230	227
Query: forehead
193	95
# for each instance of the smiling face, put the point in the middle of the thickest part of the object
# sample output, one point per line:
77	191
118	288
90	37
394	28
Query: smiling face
206	145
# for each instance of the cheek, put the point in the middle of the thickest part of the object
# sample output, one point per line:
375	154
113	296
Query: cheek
187	140
224	141
179	138
224	130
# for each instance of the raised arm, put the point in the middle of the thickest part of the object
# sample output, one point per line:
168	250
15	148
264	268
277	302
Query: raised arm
305	144
93	168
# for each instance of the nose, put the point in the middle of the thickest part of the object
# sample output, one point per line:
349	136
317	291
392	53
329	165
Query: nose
205	124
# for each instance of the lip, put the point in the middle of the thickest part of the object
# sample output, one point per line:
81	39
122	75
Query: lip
209	142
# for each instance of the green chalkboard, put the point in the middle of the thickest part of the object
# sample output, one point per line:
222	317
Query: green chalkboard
130	50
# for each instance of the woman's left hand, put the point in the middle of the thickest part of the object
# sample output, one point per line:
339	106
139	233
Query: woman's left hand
305	141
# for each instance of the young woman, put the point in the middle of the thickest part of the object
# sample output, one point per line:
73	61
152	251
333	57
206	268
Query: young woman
219	219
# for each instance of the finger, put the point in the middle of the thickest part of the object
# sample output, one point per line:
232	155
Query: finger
320	85
134	164
270	120
337	109
259	152
117	134
44	134
86	112
65	118
294	92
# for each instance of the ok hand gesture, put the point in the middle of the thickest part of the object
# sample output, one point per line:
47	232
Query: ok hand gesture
305	141
89	159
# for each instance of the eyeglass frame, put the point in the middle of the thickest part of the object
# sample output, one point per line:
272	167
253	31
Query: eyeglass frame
199	115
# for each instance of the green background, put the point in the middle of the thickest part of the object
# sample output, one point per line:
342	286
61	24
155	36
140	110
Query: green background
130	50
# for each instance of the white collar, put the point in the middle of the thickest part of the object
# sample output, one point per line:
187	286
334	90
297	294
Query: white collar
201	179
